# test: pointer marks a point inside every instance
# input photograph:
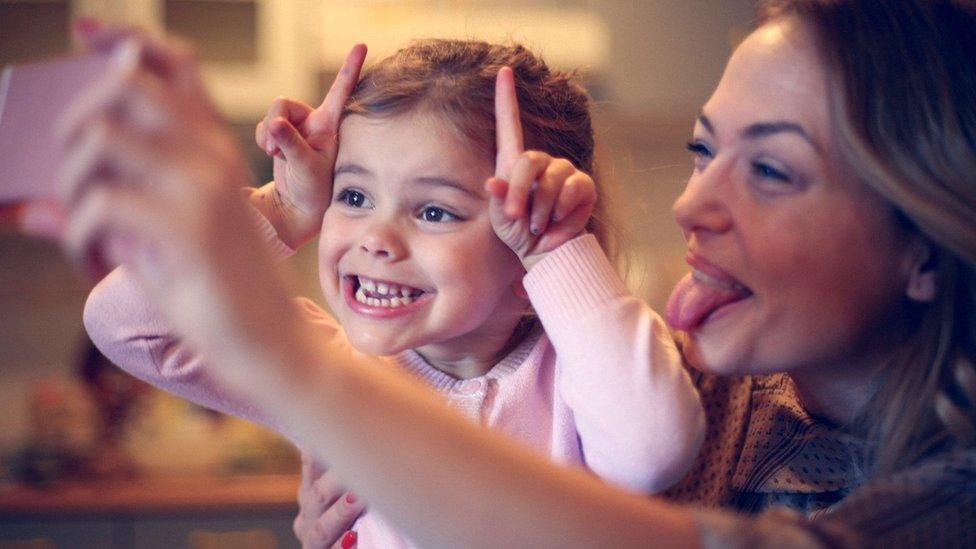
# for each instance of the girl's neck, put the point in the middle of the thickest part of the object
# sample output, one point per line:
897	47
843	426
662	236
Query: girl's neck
473	357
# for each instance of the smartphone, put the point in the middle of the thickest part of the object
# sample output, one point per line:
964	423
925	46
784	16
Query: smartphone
33	97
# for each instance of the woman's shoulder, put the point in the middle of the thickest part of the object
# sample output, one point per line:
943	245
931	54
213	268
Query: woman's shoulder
932	503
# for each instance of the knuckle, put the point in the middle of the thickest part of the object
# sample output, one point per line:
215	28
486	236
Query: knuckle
183	51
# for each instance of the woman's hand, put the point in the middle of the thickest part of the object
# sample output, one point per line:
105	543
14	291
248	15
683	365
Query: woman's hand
537	202
304	143
151	178
326	511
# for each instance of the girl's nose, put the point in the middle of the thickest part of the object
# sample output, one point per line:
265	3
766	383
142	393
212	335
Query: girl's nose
704	206
383	242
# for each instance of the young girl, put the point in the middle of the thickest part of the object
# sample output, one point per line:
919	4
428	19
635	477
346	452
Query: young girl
422	262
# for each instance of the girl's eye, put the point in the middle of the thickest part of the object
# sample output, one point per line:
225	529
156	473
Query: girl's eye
766	171
353	199
433	214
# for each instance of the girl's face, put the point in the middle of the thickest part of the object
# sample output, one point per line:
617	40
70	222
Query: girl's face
407	255
794	262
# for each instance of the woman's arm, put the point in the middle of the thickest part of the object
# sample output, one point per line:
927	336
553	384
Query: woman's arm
445	481
172	194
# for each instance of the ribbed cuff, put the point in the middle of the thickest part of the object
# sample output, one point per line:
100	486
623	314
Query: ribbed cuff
573	279
278	249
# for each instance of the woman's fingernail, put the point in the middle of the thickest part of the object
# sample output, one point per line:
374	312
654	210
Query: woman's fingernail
351	498
348	540
87	25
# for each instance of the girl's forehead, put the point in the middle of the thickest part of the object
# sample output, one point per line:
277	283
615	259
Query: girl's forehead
410	146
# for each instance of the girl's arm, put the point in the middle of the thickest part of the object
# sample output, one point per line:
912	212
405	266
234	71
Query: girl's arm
637	413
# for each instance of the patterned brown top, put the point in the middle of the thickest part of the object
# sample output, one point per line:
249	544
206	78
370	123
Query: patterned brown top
802	483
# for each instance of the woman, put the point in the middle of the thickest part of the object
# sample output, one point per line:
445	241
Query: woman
830	309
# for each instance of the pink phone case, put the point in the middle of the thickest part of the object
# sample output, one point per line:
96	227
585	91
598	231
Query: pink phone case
32	99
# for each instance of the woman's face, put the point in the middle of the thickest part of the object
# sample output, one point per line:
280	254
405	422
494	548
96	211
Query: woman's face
795	264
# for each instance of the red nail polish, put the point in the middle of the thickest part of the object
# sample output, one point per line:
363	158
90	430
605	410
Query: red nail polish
348	540
87	25
351	498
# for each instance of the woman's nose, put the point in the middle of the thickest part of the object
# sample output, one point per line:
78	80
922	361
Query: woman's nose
704	204
382	241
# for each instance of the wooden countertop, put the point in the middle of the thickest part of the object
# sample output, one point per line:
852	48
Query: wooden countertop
164	496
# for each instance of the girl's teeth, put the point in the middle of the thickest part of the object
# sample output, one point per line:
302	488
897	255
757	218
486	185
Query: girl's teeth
388	303
405	292
383	288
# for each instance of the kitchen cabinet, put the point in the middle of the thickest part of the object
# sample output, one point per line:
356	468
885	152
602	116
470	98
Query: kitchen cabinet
194	513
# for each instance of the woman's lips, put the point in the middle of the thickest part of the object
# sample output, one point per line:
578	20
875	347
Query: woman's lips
700	293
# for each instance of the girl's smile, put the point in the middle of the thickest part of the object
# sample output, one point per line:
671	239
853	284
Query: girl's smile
382	299
408	257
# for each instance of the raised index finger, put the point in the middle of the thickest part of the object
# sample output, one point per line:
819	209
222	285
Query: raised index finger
326	116
508	126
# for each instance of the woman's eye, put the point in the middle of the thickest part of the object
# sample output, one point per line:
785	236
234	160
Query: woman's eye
766	171
698	148
701	153
353	199
433	214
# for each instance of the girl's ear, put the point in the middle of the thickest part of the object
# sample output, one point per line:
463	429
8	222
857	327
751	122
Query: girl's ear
922	279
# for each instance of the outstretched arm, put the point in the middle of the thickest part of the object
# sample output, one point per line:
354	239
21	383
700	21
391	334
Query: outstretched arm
171	200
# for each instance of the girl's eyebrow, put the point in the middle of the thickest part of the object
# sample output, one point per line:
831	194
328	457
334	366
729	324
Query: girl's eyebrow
445	182
763	129
354	169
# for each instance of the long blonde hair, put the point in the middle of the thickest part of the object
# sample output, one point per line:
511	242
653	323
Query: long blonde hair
903	81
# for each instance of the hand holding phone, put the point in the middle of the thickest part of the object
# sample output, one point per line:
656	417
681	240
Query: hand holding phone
33	97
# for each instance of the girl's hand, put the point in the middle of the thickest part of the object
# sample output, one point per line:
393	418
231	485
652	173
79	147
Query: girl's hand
304	143
326	511
537	202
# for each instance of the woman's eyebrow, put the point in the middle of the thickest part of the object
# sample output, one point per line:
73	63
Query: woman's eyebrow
764	129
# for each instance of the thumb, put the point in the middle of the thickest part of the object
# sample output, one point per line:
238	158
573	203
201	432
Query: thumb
497	190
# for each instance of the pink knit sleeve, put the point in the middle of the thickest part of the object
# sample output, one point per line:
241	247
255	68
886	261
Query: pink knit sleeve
128	330
638	416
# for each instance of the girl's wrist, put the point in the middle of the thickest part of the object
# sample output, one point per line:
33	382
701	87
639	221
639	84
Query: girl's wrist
294	227
531	260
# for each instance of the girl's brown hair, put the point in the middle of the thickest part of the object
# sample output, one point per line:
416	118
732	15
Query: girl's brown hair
456	79
903	85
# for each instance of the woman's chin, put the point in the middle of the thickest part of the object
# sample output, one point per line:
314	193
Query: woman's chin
710	356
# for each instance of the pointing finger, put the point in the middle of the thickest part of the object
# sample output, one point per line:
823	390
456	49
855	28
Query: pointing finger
508	125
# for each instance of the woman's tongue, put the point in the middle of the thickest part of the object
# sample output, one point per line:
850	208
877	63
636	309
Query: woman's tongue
693	300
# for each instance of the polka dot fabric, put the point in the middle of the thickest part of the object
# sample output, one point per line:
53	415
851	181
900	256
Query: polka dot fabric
798	482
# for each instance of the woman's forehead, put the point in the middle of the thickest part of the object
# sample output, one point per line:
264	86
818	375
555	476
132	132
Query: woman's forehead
774	75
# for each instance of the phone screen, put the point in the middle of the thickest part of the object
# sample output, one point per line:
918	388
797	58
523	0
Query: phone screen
33	97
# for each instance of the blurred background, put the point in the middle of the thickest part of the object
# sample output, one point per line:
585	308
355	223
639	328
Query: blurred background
70	418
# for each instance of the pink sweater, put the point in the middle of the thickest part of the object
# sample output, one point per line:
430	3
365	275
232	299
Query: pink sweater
603	387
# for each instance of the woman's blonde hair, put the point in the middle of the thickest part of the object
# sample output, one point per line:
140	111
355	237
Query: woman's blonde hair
456	79
903	81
